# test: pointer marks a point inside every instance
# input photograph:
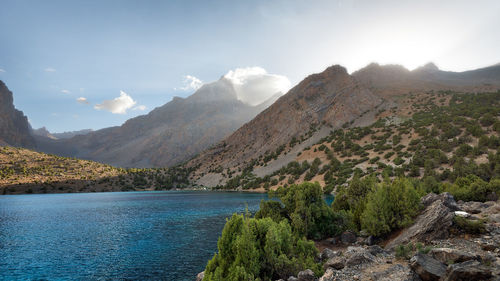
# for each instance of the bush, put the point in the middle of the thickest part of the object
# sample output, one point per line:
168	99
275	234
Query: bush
307	211
260	249
353	197
471	188
469	226
390	206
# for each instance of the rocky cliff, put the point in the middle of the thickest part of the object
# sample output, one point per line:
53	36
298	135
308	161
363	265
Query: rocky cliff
14	126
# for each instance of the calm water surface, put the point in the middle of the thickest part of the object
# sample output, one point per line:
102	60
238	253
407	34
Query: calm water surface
121	235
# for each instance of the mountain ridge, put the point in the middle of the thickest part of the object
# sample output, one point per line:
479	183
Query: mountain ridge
168	135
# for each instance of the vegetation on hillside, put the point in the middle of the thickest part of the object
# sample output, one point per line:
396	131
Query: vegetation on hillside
26	171
442	135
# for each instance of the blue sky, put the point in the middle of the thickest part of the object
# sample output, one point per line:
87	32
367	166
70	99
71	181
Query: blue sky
54	52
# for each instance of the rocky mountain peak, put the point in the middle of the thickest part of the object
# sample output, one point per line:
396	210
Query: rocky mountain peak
429	67
14	126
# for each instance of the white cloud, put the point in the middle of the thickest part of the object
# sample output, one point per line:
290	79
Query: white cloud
2	70
118	105
49	69
82	100
191	83
254	85
140	107
65	92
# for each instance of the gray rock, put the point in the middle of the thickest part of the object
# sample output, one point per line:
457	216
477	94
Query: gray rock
335	262
397	272
329	275
370	240
327	254
447	255
473	207
200	276
375	250
432	224
306	275
359	258
446	198
292	278
348	237
427	267
469	270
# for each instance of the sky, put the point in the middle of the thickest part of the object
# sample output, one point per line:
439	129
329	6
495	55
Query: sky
92	64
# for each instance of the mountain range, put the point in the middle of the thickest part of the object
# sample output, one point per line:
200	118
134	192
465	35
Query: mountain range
323	102
215	130
168	135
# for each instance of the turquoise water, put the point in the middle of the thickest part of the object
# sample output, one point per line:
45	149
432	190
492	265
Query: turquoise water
119	236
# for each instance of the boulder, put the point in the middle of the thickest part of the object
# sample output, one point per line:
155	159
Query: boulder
347	237
427	267
370	240
469	270
473	207
447	255
375	250
292	278
335	262
446	198
357	256
432	224
306	275
327	254
332	240
200	276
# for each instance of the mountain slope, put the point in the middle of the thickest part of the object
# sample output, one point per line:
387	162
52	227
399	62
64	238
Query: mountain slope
14	126
168	135
324	102
331	98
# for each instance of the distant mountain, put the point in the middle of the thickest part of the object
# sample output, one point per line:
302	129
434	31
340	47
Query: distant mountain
323	102
168	135
43	132
14	126
395	79
67	135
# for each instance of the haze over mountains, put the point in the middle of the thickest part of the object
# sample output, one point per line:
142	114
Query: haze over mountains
216	114
169	134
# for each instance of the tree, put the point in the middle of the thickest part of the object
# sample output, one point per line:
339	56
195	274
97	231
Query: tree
391	205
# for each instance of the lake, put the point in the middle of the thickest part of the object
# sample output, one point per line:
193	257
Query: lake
122	235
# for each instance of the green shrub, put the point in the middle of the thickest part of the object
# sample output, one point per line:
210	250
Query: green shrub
353	197
307	210
390	206
260	249
469	226
471	188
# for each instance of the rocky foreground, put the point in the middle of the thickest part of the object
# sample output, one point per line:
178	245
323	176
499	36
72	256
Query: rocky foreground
433	248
